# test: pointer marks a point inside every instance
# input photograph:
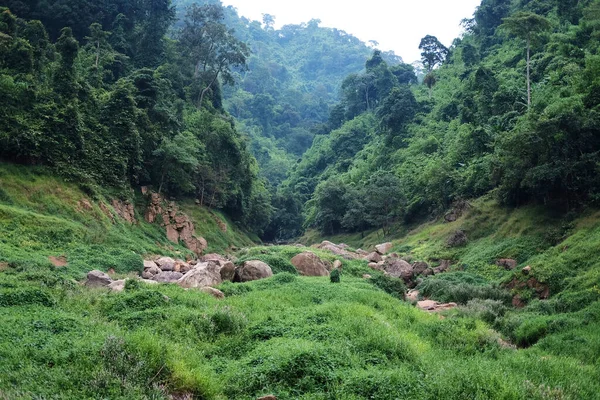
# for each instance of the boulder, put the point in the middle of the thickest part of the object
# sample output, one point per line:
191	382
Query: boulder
97	278
376	266
412	295
149	281
166	264
253	270
167	277
309	264
526	270
419	267
117	286
383	248
373	257
151	270
268	397
227	271
427	272
337	264
337	250
366	276
150	264
458	238
507	263
200	277
216	293
212	257
434	306
361	252
399	269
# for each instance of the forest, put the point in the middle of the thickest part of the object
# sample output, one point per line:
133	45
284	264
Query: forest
148	143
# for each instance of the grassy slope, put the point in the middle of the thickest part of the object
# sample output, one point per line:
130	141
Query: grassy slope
292	336
41	216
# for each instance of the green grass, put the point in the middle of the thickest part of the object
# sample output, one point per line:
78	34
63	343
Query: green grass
292	336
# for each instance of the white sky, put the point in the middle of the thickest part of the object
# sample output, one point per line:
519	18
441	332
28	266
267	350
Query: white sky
397	25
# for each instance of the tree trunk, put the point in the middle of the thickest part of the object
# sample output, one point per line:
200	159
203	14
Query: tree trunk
208	87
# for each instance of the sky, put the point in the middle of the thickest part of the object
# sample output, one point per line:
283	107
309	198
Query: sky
396	25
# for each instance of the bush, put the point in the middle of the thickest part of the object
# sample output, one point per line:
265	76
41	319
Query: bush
392	286
460	287
25	297
486	310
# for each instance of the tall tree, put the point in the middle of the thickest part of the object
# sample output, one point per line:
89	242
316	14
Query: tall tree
527	26
434	52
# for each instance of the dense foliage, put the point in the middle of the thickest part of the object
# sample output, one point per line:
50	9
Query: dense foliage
513	108
102	95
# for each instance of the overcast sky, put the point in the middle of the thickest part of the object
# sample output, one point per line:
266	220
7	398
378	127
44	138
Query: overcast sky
397	25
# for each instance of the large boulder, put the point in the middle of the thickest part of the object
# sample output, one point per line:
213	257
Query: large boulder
419	267
150	269
200	277
117	286
212	257
373	257
166	264
253	270
397	268
384	247
227	271
167	277
97	278
337	250
309	264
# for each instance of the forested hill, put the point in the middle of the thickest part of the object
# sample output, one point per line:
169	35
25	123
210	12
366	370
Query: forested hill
293	78
511	109
104	96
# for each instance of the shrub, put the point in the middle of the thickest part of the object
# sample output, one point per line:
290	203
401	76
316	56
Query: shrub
484	309
392	286
24	297
460	287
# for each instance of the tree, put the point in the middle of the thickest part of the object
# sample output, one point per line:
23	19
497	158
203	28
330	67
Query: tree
398	109
527	26
434	52
177	161
213	50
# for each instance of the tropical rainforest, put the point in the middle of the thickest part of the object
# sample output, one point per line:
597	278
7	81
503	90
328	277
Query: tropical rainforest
125	123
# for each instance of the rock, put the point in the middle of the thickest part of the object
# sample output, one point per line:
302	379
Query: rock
412	295
458	238
343	246
399	269
151	270
361	252
253	270
427	272
183	267
227	271
373	257
166	264
97	278
269	397
526	270
309	264
443	267
337	264
419	267
383	248
507	263
517	302
150	264
117	286
212	257
337	250
216	293
434	306
125	210
149	281
376	266
167	277
200	277
366	276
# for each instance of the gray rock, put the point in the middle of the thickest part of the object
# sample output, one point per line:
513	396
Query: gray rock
373	257
117	286
227	271
97	278
167	277
216	293
200	277
399	269
166	264
419	267
383	248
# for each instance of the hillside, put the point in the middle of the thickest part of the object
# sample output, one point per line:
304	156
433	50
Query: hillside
442	231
